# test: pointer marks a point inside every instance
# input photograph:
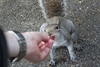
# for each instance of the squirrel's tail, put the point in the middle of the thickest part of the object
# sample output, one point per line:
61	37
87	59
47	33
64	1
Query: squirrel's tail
52	8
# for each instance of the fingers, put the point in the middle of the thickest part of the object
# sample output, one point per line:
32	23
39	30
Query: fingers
39	37
50	43
43	45
39	44
46	49
44	37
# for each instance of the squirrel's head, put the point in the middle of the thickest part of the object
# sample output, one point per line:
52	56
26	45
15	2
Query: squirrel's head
53	26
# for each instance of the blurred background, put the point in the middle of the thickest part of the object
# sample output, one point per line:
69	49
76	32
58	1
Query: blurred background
25	15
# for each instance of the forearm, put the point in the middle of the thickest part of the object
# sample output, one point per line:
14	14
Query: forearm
12	43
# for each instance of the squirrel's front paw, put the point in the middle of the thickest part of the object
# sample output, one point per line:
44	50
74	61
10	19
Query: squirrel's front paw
52	63
74	58
78	47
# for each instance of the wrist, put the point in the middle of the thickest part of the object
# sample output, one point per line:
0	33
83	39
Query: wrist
22	44
13	46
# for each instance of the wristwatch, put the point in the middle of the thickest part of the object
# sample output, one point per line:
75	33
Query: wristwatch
22	44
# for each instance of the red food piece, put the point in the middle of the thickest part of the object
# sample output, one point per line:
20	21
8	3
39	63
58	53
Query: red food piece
52	37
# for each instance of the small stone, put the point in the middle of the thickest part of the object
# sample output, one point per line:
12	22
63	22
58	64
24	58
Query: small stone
72	65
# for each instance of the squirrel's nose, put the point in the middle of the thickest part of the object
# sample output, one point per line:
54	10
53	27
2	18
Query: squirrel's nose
49	33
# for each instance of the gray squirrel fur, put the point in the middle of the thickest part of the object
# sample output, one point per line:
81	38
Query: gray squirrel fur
62	28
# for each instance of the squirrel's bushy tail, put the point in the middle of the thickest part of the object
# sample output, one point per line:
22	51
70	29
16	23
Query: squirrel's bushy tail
52	8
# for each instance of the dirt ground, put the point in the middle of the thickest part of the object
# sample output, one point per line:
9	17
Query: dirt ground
25	15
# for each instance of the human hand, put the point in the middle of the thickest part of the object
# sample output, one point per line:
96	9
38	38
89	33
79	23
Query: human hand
38	46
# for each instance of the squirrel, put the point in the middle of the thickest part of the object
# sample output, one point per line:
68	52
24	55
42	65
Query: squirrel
59	26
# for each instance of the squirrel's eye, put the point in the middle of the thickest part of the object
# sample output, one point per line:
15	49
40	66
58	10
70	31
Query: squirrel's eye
56	27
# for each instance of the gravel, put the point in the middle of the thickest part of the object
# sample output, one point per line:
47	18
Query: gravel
25	15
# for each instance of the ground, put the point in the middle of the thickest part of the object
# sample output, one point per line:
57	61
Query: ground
25	15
